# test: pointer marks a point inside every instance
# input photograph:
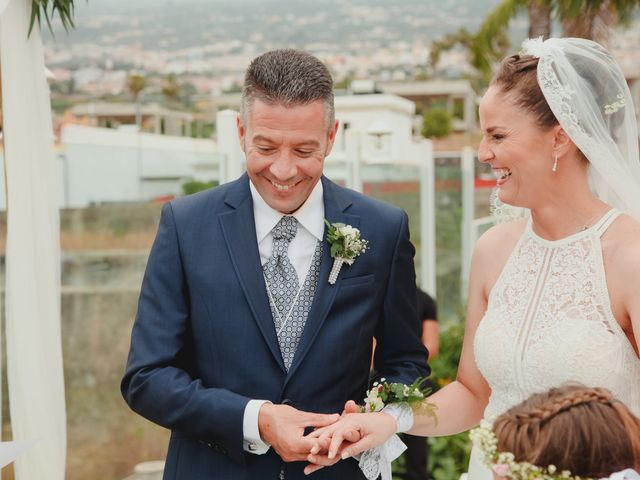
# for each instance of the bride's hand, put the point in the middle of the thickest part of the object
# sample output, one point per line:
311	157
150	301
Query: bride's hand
349	436
319	458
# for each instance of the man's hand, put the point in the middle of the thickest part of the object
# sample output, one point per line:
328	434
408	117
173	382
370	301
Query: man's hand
318	456
282	427
352	435
351	407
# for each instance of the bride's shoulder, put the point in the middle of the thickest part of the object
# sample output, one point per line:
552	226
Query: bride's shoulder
502	237
621	256
621	242
494	246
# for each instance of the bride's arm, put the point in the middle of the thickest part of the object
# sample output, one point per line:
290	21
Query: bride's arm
634	305
624	280
462	402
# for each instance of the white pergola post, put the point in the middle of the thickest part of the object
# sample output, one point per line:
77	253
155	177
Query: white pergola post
353	154
427	219
32	306
232	164
468	214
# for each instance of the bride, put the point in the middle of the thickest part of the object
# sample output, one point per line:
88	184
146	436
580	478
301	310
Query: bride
553	296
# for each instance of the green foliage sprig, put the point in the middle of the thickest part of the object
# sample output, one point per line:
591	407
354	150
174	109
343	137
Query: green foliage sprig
448	456
194	186
48	9
436	123
383	393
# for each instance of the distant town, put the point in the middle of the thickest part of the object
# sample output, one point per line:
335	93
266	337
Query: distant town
207	45
204	46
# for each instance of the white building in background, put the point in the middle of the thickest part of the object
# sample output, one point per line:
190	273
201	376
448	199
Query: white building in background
105	165
384	122
102	165
374	144
154	118
455	96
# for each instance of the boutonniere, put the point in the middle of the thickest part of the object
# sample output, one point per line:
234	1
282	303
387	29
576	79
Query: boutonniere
346	245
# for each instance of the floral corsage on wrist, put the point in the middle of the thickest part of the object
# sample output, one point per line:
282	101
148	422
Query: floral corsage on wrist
400	401
383	393
346	245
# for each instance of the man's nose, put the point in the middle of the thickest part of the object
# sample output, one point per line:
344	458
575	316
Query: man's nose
284	167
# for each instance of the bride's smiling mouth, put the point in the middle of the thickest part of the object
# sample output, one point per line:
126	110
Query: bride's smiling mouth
502	174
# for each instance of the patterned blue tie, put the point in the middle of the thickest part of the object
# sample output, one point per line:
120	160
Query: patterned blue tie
282	282
289	303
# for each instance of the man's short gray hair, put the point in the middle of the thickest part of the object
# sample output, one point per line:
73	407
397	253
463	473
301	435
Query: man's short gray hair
288	77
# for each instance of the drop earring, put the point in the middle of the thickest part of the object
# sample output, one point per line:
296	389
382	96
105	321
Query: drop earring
555	163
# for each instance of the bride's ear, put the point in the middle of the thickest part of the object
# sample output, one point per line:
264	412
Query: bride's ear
562	143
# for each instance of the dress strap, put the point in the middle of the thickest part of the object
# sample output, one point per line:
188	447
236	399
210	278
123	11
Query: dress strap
606	220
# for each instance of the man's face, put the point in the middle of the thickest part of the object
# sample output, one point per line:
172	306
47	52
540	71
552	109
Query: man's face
285	149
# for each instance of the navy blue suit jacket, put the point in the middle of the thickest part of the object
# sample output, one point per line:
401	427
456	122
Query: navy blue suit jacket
204	343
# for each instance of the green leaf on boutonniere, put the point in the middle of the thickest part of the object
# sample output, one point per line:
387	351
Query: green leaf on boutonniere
383	393
345	241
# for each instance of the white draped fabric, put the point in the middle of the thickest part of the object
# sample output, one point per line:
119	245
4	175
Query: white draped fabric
34	352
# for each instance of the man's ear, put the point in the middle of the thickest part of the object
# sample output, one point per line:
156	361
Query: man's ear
332	137
241	131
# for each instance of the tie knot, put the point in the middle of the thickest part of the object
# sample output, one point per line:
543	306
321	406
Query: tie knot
285	229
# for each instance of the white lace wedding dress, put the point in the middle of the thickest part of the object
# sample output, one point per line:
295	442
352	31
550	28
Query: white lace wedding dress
549	322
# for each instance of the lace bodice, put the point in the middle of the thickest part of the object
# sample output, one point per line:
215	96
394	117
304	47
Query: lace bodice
549	321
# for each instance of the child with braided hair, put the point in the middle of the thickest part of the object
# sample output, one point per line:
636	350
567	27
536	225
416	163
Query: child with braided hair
572	432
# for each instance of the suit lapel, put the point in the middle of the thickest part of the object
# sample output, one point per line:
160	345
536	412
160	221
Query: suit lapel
335	204
238	227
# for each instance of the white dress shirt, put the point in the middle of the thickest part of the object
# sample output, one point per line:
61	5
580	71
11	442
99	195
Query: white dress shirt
310	217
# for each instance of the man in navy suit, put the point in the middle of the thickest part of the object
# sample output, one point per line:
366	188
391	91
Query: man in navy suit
240	343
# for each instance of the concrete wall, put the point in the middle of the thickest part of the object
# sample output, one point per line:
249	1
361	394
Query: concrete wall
102	165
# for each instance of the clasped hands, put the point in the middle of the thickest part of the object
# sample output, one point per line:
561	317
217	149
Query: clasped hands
335	436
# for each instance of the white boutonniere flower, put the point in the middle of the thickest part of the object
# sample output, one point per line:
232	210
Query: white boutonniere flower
346	245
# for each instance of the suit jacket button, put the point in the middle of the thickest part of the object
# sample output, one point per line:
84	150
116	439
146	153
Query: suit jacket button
287	401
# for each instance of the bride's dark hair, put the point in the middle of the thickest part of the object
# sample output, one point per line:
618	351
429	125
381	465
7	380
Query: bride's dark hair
517	78
583	430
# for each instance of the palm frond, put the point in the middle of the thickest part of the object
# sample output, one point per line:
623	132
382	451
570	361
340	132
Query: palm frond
461	37
624	10
48	9
491	41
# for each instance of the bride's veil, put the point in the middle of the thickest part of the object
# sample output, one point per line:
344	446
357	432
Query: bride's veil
588	94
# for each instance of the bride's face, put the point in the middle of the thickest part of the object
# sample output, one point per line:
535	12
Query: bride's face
517	149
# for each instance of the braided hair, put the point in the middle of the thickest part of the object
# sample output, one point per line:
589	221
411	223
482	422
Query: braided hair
584	430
